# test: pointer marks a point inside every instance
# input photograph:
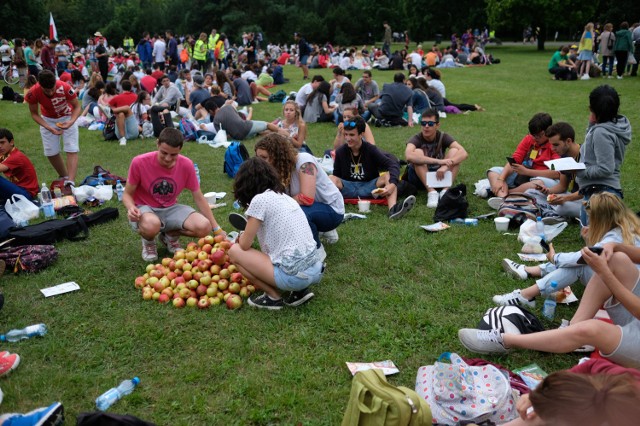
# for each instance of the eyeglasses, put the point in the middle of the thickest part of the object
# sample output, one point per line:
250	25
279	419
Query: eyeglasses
428	123
349	124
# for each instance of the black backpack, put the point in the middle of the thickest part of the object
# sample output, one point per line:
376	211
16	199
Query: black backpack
109	131
8	94
453	204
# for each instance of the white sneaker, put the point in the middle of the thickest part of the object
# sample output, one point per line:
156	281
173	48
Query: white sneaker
585	77
514	269
123	141
330	237
482	341
513	299
495	202
619	77
149	250
432	199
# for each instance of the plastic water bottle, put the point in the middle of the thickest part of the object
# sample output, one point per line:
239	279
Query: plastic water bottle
197	169
540	228
549	307
119	190
100	179
113	395
47	203
26	333
236	205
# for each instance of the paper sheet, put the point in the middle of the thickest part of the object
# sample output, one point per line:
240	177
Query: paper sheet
565	163
433	182
387	367
60	289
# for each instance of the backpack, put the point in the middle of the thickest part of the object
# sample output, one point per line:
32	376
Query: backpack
453	204
188	130
518	208
510	319
373	401
459	392
29	258
109	131
234	156
610	42
8	94
104	177
279	96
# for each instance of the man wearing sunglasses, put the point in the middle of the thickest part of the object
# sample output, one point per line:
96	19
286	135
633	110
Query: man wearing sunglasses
358	166
526	163
433	151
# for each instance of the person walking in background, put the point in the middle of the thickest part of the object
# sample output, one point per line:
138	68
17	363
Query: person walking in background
607	42
622	48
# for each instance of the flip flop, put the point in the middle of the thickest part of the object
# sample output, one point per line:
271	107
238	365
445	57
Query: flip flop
238	221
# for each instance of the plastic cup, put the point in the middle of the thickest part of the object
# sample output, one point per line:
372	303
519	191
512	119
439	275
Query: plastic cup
211	198
364	206
502	224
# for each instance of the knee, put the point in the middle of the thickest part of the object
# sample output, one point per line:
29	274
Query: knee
586	331
202	228
149	224
234	253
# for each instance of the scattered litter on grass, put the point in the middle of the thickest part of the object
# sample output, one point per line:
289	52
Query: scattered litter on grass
387	367
349	216
532	257
435	227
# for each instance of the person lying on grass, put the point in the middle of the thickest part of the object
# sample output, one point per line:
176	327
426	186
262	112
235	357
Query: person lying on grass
612	222
616	285
289	260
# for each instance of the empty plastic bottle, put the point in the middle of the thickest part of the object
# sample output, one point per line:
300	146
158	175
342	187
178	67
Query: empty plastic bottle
197	169
549	307
113	395
119	190
540	228
25	333
47	203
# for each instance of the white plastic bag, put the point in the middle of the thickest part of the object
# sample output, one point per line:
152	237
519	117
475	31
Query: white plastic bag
103	192
528	230
326	163
21	209
482	188
221	136
83	192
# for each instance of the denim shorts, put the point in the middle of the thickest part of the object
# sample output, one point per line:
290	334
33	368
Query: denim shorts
351	189
304	59
300	281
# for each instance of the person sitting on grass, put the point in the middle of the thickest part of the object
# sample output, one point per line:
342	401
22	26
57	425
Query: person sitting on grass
294	125
126	122
612	222
563	200
307	183
529	157
616	285
348	115
357	168
289	260
432	151
155	181
20	175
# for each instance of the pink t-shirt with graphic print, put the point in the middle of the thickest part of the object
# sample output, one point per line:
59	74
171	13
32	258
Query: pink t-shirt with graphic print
157	186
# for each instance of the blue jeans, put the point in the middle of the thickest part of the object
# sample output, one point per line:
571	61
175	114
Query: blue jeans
321	218
7	189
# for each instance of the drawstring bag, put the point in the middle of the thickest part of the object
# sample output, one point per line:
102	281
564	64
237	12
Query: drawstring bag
221	136
458	392
453	204
21	209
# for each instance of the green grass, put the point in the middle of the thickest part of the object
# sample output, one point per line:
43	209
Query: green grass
391	291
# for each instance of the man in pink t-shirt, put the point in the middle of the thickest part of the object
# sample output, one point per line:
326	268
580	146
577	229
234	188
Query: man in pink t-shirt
155	180
59	110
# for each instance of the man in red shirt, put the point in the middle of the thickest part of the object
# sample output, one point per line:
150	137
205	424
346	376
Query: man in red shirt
48	56
526	163
126	122
155	181
59	110
20	175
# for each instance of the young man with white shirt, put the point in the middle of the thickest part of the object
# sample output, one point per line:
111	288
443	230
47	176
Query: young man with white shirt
159	51
305	91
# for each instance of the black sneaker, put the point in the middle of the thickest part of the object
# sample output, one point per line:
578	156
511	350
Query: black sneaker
399	210
297	298
265	302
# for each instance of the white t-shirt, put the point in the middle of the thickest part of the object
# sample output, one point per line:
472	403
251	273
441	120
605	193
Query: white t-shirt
326	191
438	85
6	52
416	59
284	235
159	49
303	93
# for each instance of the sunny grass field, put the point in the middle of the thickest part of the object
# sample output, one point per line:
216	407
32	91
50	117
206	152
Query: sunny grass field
391	291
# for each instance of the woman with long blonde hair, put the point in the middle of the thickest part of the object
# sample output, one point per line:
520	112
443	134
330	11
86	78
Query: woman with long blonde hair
610	221
294	125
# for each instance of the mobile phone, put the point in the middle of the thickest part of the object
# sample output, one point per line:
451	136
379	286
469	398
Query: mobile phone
511	160
596	250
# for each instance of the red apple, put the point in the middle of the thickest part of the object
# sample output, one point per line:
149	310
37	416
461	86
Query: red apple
200	242
168	291
225	245
193	294
163	298
192	246
217	257
158	287
201	290
192	302
185	293
234	302
236	277
207	248
166	261
180	280
209	239
197	276
172	275
178	303
140	282
218	238
172	265
234	288
203	303
187	276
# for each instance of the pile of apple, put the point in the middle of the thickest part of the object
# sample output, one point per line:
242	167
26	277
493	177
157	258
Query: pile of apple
198	276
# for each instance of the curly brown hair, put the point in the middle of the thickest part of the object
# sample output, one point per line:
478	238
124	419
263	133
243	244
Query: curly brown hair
254	177
282	155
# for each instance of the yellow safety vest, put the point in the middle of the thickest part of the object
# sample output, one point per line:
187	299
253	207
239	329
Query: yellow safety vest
213	41
200	51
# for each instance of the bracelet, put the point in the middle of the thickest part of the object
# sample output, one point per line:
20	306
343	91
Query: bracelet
499	179
218	231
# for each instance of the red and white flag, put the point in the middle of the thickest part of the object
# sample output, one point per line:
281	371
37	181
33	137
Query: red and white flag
53	33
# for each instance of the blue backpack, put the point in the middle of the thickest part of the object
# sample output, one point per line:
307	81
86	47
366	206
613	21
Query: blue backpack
188	130
234	156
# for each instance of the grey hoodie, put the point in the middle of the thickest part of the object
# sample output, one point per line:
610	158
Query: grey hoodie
603	152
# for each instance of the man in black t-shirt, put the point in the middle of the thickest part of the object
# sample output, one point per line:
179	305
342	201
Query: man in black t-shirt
433	151
358	166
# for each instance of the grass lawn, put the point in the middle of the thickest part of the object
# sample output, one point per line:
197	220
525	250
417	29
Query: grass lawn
391	291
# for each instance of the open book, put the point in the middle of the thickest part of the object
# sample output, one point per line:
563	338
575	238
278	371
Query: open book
564	164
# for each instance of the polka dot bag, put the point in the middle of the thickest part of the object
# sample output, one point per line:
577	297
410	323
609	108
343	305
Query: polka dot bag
458	392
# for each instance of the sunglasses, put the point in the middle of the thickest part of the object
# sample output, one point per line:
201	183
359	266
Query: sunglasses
428	123
349	124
